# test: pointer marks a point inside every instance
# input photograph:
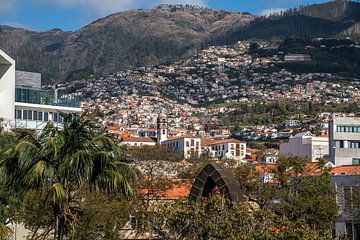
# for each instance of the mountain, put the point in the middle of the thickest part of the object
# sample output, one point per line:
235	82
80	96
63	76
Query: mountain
335	18
122	40
165	34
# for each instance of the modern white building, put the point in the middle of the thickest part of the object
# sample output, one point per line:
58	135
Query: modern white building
7	88
23	104
306	145
344	140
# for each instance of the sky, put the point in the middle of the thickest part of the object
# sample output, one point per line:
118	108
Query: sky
70	15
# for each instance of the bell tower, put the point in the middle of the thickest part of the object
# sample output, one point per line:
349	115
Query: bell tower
162	128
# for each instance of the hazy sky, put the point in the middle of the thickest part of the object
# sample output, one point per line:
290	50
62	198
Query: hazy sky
73	14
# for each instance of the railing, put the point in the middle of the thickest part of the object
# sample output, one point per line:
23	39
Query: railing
53	98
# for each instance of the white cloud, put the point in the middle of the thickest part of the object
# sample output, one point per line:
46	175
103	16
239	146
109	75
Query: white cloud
6	6
270	11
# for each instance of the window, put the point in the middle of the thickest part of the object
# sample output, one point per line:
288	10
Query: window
242	146
29	114
24	114
347	198
223	147
40	116
18	113
354	144
187	144
232	146
349	230
348	129
356	161
192	142
35	115
46	116
163	132
55	119
339	144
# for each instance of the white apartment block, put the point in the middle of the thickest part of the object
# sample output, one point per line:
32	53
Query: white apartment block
186	146
23	104
228	149
344	140
306	145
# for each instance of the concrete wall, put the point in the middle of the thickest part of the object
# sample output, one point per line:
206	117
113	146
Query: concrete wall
7	88
296	147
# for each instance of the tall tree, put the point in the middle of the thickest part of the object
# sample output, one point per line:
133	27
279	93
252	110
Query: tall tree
57	163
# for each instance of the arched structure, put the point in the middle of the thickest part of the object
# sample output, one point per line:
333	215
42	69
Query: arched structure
215	175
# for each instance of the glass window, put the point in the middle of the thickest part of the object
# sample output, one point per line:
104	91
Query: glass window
349	230
55	117
29	114
347	198
46	116
18	113
40	116
25	114
187	143
192	142
356	161
35	115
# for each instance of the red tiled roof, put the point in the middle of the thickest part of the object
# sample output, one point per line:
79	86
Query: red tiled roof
227	141
346	169
206	142
180	137
137	139
179	189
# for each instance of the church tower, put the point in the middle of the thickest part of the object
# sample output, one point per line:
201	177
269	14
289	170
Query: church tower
162	128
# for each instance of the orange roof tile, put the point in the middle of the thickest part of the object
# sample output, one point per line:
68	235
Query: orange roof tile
183	136
137	139
179	189
227	141
346	169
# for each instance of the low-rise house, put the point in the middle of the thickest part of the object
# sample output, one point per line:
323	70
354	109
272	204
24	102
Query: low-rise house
306	145
187	145
228	149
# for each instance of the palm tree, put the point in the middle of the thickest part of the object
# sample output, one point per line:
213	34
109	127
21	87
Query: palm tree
57	163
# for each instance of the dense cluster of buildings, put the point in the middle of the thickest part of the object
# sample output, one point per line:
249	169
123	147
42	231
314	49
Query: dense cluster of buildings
157	105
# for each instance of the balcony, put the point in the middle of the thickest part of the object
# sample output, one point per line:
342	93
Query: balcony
43	97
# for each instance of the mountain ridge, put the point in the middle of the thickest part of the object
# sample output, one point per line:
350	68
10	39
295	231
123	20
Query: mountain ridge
164	34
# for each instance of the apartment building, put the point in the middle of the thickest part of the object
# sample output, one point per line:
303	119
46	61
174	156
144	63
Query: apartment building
227	149
186	146
344	140
306	145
